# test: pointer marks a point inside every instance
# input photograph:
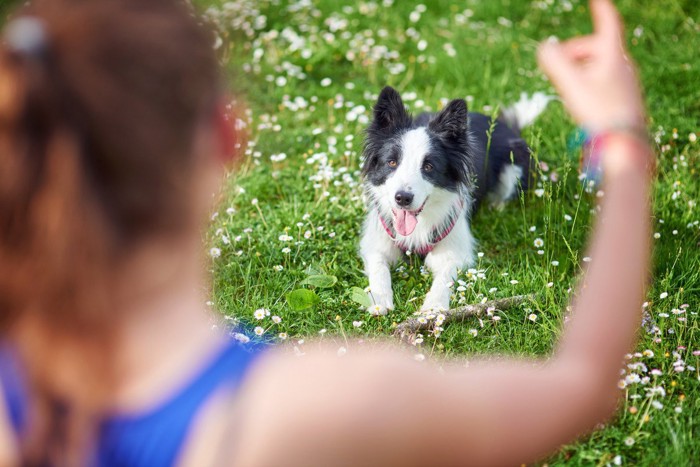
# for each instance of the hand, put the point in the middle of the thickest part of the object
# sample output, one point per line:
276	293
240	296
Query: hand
594	76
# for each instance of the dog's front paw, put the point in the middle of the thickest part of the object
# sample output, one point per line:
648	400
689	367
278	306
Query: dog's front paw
434	303
377	310
382	303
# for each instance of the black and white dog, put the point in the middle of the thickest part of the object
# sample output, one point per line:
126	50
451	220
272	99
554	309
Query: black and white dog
425	177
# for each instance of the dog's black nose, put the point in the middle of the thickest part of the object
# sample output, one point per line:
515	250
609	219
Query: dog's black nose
403	198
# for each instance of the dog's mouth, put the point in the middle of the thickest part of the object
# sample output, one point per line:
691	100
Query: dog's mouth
405	221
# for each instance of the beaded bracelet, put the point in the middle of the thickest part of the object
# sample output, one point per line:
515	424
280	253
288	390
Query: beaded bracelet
593	145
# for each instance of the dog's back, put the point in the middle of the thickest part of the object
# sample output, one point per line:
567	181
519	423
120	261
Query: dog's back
500	158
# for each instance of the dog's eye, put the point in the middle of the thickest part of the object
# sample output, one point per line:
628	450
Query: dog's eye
391	163
427	167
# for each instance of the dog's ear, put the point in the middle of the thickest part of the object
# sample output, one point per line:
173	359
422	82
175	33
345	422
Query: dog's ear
389	115
452	121
389	111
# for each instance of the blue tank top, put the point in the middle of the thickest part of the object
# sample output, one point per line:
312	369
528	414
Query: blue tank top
151	439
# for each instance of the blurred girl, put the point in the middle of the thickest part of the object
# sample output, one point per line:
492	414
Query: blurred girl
111	143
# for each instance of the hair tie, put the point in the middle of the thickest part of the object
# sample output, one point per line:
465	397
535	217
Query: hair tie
26	36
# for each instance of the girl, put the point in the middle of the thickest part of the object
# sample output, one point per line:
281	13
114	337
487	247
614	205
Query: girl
111	143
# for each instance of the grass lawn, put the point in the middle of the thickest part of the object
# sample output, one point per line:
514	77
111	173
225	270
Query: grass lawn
309	72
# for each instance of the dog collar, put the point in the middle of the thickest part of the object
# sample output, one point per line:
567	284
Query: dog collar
438	233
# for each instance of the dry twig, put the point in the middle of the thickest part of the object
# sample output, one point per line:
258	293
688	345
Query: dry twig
407	330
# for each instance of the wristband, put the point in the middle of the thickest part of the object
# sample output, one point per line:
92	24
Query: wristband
593	146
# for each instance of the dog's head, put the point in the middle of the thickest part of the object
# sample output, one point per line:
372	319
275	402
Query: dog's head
408	166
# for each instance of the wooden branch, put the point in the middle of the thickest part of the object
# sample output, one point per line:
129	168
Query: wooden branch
407	330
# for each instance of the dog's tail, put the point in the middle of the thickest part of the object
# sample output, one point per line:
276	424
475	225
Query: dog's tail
525	111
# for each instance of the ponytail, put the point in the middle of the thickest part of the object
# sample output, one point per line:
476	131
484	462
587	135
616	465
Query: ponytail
99	105
52	245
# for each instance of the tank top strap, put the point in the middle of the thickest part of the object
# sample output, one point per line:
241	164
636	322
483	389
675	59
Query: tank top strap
14	388
156	438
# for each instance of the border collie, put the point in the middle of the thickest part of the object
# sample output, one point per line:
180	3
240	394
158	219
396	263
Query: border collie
425	177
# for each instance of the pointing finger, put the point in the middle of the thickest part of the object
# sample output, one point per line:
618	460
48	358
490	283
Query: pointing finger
606	20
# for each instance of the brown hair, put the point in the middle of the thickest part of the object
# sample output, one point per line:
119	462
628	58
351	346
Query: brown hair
96	155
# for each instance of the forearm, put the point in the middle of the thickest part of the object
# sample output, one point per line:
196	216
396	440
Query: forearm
607	307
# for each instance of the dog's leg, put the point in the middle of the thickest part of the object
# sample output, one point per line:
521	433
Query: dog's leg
378	254
507	186
454	252
377	270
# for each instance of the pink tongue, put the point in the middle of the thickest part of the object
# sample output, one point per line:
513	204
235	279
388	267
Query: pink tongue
404	221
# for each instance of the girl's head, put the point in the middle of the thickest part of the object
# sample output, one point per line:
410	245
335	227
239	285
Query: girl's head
107	111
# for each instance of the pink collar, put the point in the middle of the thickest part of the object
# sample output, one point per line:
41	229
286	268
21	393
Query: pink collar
435	237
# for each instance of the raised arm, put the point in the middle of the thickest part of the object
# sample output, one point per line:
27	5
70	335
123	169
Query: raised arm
379	408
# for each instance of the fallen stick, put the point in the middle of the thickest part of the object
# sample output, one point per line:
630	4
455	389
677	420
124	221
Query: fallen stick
406	330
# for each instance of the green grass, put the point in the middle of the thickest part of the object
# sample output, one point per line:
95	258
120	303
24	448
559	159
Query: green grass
490	60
